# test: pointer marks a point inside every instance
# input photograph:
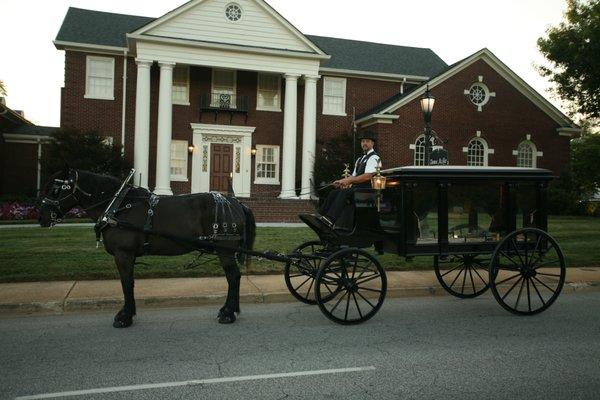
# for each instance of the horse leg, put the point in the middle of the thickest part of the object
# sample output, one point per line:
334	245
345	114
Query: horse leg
125	261
232	304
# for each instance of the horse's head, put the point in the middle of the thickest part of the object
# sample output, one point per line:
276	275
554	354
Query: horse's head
59	196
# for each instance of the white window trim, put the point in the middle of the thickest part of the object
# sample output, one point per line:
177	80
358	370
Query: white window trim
267	181
272	109
181	178
331	78
413	147
486	149
212	86
535	152
187	102
87	94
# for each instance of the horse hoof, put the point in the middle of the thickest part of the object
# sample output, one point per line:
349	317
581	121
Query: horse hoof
226	318
122	322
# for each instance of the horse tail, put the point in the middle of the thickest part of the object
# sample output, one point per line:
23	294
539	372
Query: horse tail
249	235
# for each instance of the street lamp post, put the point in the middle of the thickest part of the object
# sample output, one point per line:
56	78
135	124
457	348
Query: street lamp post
427	102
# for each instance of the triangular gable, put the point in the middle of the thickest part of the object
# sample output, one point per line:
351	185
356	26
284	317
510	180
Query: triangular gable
260	26
502	69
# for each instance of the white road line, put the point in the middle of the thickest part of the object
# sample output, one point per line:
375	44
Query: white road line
193	382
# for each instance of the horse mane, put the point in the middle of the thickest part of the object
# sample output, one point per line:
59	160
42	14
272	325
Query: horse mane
97	183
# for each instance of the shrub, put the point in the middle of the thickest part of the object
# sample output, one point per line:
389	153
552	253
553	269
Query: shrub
87	151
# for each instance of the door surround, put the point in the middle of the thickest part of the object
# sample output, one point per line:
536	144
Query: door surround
240	137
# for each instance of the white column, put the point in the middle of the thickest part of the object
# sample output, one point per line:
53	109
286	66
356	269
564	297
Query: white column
309	134
141	148
164	131
290	113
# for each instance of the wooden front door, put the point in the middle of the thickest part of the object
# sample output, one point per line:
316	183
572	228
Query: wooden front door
221	163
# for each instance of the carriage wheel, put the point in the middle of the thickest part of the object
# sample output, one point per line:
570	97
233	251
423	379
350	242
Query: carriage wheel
527	271
463	276
350	286
300	275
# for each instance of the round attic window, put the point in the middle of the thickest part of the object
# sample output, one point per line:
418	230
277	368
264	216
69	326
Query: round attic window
479	94
233	12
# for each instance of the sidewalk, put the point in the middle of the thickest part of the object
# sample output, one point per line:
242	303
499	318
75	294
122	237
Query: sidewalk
67	296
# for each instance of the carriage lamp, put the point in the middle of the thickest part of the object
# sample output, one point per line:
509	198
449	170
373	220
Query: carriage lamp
191	148
378	183
378	180
427	102
253	152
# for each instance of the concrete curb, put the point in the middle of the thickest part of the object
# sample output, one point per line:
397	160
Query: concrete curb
71	296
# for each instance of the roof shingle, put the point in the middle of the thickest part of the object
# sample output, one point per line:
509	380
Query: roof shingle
110	29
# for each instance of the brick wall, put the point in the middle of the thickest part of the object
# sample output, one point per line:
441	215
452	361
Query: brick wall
18	168
504	121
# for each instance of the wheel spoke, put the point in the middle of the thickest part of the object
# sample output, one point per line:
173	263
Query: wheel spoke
309	288
365	299
546	286
539	257
538	292
510	258
462	290
545	274
507	279
452	284
338	302
539	239
472	281
370	278
528	296
303	283
357	306
369	289
480	277
519	296
512	240
447	272
354	266
347	307
511	288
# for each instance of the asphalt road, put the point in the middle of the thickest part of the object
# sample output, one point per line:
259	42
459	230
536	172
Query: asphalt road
421	348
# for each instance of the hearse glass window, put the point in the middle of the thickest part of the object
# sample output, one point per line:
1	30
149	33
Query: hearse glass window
476	212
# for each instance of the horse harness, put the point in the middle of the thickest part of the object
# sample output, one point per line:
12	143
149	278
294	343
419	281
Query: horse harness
224	226
57	213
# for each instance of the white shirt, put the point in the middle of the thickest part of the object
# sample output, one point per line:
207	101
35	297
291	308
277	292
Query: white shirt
371	163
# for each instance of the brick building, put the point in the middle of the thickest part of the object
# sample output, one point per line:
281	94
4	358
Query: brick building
217	89
22	146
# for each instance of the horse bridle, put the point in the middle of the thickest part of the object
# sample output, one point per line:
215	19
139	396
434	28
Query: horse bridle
56	211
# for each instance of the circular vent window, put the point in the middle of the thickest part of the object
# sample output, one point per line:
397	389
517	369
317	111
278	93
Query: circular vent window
233	12
479	94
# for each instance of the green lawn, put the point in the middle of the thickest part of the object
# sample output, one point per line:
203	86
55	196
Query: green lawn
32	254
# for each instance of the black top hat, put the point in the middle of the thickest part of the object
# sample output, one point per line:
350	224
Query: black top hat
367	135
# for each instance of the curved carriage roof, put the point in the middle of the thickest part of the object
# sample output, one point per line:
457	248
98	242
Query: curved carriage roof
466	172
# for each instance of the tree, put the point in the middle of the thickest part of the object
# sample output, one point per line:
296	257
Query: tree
87	151
585	152
573	48
335	152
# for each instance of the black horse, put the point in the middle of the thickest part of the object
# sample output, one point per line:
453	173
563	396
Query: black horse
206	216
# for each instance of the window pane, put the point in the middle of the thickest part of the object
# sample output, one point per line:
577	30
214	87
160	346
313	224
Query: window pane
224	79
179	158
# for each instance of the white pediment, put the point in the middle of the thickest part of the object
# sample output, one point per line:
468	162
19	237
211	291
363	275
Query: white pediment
258	25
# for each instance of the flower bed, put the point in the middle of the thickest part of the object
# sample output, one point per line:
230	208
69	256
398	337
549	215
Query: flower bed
15	211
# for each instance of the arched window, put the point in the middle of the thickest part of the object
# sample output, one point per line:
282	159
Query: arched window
526	154
477	152
420	149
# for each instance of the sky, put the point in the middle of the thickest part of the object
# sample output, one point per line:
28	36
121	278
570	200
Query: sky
33	69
